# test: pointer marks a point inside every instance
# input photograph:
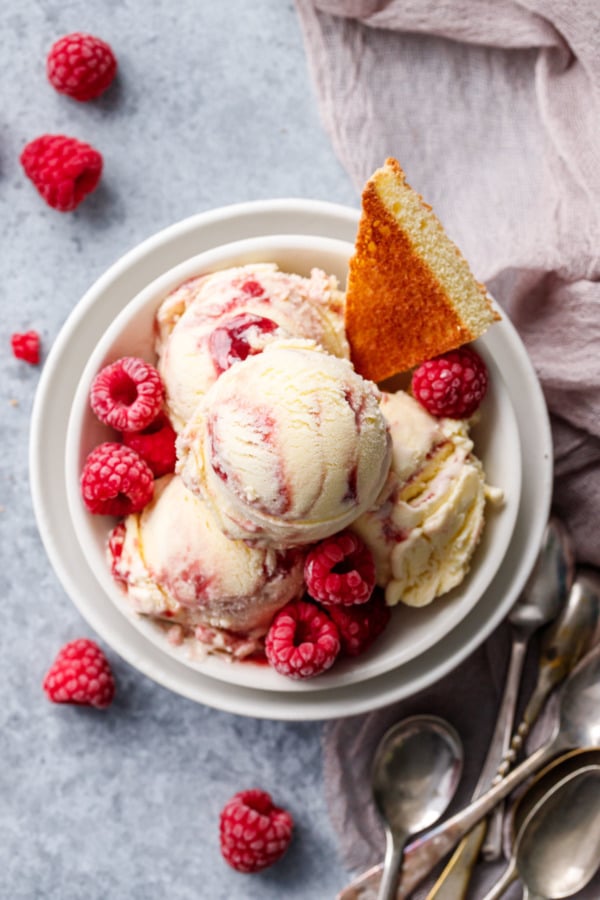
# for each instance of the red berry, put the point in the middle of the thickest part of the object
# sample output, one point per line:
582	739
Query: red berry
155	444
254	833
26	346
128	394
358	626
452	385
63	169
80	674
81	66
116	481
116	543
340	570
302	641
237	339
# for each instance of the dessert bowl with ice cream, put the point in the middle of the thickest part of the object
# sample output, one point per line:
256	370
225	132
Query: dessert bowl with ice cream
262	471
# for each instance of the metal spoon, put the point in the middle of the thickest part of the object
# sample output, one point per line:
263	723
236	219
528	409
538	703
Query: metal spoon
563	644
542	598
416	770
540	602
578	726
556	828
560	851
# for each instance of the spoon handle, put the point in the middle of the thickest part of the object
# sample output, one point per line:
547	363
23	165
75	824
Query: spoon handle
453	882
425	852
509	875
394	850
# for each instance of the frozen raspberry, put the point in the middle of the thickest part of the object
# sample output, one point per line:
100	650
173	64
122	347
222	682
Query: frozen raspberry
238	339
452	385
128	394
26	346
340	570
155	444
63	169
81	66
116	481
254	833
302	641
360	625
80	674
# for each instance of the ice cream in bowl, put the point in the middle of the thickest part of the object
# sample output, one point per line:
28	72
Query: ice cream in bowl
267	500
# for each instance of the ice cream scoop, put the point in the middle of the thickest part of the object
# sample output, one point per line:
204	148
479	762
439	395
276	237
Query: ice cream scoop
211	321
425	530
288	446
177	565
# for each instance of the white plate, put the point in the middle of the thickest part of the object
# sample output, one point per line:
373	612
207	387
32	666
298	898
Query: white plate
411	631
61	374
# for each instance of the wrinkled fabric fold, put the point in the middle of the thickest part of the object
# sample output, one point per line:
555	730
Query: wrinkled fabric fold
492	108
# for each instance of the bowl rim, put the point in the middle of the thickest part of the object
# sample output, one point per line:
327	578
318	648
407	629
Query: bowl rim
456	605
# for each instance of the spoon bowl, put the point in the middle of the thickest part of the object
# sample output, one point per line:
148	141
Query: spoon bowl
560	768
530	804
416	770
558	849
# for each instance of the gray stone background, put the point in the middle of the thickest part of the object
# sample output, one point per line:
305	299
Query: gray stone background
212	106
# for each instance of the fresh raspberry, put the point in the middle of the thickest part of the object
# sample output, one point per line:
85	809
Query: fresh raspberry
81	66
116	481
128	394
80	674
302	641
452	385
340	570
238	338
63	169
155	444
26	346
254	833
360	625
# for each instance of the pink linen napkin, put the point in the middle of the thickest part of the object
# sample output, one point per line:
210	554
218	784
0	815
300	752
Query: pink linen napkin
492	108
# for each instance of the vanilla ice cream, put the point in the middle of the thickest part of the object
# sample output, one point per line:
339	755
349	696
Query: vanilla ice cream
211	321
177	565
288	446
423	534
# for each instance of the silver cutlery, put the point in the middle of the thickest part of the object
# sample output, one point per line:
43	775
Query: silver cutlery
578	726
557	848
540	601
416	770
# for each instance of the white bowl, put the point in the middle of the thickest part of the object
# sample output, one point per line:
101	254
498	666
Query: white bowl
412	632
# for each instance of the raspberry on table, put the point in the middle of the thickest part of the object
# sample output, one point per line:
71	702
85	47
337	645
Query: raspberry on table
254	833
359	626
26	346
128	394
80	674
302	641
340	570
155	444
81	66
63	169
116	481
452	385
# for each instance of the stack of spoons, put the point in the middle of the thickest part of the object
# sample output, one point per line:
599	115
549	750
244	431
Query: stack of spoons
567	639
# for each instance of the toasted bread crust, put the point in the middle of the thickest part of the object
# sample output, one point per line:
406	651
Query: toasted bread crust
398	312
